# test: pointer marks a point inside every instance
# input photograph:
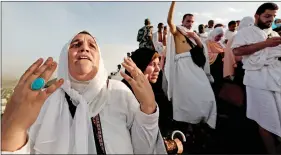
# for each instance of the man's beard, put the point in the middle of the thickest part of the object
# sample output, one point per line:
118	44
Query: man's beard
263	25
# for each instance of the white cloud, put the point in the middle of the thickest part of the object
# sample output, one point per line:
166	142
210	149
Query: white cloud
234	10
221	20
207	14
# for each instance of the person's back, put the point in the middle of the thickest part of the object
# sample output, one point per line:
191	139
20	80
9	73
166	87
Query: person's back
144	36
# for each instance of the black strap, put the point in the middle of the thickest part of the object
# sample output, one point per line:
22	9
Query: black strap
99	141
197	53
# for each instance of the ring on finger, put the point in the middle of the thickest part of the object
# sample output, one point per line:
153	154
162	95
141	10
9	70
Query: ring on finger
38	84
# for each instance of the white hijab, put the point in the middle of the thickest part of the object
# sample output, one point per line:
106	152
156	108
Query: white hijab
246	22
217	31
58	132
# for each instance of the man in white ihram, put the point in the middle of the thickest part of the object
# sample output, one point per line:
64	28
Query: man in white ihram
188	86
261	51
105	117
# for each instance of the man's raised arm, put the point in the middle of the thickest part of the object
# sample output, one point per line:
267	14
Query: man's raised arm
171	24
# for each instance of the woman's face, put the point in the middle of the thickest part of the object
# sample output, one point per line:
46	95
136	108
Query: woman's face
218	37
152	70
83	57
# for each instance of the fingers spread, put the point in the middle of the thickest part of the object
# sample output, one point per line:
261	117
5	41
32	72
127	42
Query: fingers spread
133	71
130	62
39	71
54	87
49	71
130	80
30	70
48	91
128	67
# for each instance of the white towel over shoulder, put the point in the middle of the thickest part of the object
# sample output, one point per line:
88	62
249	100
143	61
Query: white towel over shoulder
263	70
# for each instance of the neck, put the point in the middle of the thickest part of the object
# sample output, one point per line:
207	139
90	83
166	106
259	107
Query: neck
79	86
159	30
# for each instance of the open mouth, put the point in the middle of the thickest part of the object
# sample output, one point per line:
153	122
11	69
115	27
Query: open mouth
84	58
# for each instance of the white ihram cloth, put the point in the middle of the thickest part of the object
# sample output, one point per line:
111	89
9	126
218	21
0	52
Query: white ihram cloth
126	130
229	34
159	47
189	88
262	79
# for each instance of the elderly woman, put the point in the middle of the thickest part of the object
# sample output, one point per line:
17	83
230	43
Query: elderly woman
215	53
83	112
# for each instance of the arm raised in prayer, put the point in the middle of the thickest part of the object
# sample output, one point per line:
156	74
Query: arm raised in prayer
24	106
173	28
143	112
250	49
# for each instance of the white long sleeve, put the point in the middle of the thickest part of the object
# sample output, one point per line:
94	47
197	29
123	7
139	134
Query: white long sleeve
145	133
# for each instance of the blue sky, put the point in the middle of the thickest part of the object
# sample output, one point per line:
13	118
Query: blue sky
40	29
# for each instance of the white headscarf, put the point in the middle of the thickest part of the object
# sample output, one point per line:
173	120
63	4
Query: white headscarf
58	132
217	31
245	22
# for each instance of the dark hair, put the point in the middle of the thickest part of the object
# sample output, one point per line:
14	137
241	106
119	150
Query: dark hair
231	23
160	25
211	22
165	27
237	21
142	57
146	21
266	6
218	25
188	14
201	28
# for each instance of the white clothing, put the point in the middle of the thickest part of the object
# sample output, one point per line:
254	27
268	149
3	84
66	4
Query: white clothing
187	83
229	34
208	30
159	47
203	36
262	78
55	132
262	107
207	66
245	22
262	69
193	98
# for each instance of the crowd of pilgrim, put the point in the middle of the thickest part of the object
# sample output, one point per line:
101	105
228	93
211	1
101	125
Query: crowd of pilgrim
211	91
